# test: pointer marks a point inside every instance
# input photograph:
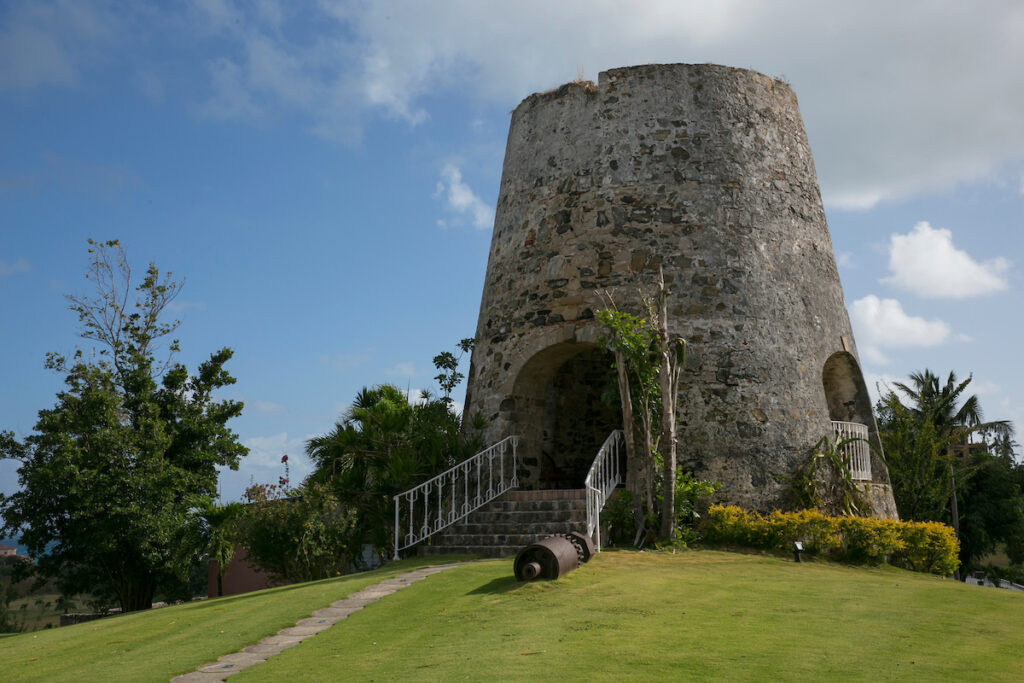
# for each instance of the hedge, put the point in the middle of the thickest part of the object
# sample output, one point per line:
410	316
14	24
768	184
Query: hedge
919	546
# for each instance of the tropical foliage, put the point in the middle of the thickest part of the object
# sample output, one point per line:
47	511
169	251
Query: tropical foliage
824	482
648	360
298	535
947	464
113	473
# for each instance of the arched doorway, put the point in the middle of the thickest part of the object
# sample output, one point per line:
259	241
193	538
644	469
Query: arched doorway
563	413
845	391
849	408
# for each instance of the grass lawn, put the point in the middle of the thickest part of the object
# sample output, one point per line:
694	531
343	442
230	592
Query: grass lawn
158	644
694	615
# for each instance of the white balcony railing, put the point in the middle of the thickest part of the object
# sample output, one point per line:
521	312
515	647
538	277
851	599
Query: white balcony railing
853	438
604	475
447	498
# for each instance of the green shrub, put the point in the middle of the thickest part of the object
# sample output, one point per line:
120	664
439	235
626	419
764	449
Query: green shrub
297	535
920	546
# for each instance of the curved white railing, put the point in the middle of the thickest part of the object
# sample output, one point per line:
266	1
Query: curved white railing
855	449
604	475
447	498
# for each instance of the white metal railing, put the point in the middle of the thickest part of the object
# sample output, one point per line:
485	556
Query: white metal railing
604	475
856	452
447	498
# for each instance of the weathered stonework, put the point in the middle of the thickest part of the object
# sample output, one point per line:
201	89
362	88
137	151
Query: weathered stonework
702	169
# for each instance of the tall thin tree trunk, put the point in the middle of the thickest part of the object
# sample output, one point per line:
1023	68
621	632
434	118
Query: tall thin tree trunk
667	372
634	463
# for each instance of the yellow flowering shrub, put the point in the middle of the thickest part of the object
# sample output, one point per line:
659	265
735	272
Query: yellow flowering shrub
920	546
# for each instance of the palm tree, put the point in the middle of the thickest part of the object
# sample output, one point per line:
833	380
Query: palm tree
383	445
938	404
922	439
221	531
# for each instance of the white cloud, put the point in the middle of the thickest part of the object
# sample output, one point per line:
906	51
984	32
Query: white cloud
461	199
404	369
844	259
48	43
878	383
926	262
883	324
19	266
879	82
264	460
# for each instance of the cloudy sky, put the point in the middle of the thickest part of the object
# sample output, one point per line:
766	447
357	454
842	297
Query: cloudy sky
323	176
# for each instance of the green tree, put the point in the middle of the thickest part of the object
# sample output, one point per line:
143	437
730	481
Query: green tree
648	360
113	473
383	445
937	446
299	534
221	533
993	509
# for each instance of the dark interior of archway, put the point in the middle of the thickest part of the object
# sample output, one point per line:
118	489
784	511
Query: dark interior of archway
845	391
577	419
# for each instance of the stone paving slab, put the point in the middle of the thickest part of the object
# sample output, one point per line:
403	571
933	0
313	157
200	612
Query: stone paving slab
335	612
246	658
322	619
196	677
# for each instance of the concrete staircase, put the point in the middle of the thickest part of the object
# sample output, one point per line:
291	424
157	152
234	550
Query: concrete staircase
510	522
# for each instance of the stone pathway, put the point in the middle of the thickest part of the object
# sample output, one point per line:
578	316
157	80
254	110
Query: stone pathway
322	619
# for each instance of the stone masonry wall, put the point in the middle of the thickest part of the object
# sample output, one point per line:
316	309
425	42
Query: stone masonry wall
707	171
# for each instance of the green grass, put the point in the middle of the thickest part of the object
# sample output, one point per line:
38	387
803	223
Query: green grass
694	615
158	644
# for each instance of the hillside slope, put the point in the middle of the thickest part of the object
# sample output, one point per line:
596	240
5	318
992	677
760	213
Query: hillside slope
694	615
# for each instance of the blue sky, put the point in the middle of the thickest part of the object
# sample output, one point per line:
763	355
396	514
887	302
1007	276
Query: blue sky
323	176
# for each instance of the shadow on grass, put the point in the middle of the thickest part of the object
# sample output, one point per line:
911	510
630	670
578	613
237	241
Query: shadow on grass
503	584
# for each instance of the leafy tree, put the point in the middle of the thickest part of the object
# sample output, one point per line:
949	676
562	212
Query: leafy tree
631	341
648	360
384	445
925	442
940	472
221	533
298	534
447	364
993	509
112	475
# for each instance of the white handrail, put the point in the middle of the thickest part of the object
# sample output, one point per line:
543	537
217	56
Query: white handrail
447	498
604	475
856	453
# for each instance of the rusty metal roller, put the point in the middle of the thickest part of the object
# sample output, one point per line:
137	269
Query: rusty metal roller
584	545
549	558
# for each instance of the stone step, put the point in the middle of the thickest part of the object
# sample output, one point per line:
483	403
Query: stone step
522	516
532	506
518	539
552	527
516	519
483	550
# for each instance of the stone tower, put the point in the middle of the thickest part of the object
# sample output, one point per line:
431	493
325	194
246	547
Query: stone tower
706	171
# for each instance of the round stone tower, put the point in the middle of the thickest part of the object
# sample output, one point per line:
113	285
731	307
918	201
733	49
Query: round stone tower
705	171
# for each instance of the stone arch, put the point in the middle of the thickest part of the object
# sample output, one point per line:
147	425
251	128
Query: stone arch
845	391
848	401
557	410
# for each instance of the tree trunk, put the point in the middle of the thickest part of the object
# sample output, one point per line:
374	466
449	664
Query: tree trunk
667	368
633	462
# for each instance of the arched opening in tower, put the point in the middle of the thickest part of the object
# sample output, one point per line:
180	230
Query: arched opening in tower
849	408
563	413
845	391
